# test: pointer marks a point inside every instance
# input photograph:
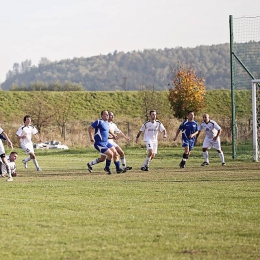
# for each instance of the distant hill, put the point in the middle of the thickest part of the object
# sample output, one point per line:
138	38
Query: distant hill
131	70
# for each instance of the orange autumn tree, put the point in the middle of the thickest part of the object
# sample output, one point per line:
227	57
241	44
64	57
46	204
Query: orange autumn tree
188	92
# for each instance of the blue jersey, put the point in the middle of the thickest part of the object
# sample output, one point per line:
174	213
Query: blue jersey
101	130
188	128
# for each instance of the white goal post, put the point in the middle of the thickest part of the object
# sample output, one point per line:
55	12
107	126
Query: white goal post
256	117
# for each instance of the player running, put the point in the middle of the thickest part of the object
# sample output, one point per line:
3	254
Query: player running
100	140
150	129
212	139
190	129
25	133
114	129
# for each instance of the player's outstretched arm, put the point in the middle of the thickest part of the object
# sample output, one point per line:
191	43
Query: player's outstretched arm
10	144
164	134
126	137
38	137
137	136
176	135
90	129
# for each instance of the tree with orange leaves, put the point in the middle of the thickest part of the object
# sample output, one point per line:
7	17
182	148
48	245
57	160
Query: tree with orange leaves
188	92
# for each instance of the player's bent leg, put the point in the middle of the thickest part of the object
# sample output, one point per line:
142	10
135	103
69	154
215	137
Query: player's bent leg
116	161
109	155
185	157
123	159
120	151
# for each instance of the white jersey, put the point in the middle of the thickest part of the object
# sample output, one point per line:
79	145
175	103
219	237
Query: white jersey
115	130
151	130
2	149
27	131
11	164
211	128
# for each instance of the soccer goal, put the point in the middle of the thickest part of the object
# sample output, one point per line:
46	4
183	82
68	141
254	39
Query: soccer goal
245	67
256	117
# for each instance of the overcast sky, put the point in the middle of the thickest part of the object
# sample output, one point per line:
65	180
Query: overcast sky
64	29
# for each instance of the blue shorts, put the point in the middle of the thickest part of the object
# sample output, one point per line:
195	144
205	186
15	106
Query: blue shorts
102	147
188	142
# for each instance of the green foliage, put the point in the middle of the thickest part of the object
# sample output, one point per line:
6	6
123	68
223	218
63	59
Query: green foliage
188	93
87	105
41	86
55	117
219	103
167	213
148	67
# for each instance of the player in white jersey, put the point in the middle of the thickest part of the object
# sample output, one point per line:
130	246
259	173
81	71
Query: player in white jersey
150	129
25	133
11	161
2	153
114	129
212	139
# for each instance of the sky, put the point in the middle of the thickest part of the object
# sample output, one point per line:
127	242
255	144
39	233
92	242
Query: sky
67	29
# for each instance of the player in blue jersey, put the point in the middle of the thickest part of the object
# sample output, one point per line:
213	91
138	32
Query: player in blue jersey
100	140
190	129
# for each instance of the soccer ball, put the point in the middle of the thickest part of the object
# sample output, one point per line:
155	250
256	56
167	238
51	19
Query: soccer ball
14	174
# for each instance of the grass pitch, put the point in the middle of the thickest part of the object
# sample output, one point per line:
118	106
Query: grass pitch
64	212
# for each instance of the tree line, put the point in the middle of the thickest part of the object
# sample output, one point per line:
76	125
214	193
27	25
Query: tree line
129	71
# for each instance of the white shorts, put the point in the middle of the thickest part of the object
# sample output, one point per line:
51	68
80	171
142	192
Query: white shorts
2	148
152	145
113	143
28	148
208	143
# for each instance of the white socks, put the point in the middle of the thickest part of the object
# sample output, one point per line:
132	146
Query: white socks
36	163
206	156
147	161
123	161
221	156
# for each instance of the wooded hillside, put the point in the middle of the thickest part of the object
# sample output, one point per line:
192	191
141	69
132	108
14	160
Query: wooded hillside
130	71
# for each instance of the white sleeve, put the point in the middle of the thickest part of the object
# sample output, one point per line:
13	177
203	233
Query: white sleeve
142	129
216	126
162	128
117	130
34	130
19	131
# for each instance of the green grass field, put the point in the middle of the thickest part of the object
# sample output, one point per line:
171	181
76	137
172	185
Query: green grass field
64	212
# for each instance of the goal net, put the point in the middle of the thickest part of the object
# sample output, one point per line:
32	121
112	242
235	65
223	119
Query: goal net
245	67
256	118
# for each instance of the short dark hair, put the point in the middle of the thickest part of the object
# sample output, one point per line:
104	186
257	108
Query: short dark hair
102	112
27	116
152	111
13	152
190	112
